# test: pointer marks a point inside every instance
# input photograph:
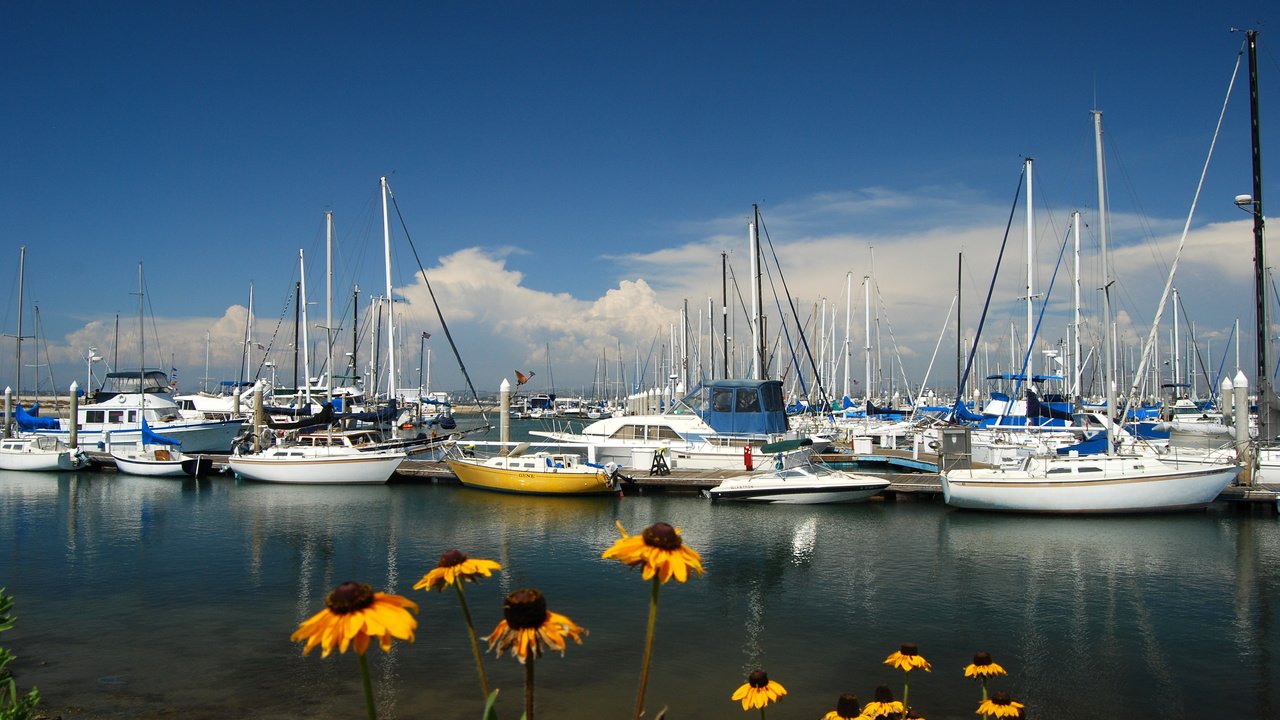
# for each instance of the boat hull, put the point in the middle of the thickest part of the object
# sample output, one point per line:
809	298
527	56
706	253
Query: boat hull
42	461
349	469
150	467
1162	489
211	436
530	482
796	495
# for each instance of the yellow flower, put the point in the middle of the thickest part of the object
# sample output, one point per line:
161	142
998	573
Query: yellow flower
758	691
454	566
1001	705
907	658
527	627
658	550
983	666
353	614
846	708
884	704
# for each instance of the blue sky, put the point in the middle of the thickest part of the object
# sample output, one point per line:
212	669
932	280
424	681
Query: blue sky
570	172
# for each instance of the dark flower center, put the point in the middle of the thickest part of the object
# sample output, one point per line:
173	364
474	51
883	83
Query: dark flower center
525	609
451	558
757	679
349	597
909	649
884	694
982	658
1001	698
847	706
661	535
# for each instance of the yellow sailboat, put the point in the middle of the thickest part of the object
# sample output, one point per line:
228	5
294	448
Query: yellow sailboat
540	473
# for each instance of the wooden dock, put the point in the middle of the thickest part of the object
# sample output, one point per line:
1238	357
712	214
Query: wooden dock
911	476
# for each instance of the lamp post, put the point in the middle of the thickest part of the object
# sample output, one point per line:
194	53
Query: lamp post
90	359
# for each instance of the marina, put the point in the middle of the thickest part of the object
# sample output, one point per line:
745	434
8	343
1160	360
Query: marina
1160	615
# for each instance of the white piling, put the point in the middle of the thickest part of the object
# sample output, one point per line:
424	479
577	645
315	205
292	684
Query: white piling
75	415
504	407
8	409
1226	402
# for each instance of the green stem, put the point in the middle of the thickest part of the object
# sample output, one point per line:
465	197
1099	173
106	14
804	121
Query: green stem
475	645
984	688
761	712
528	688
368	688
648	645
906	687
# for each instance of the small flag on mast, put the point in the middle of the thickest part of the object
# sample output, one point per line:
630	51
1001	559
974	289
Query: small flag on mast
426	335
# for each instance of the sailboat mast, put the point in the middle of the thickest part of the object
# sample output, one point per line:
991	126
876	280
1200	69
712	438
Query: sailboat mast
142	363
1266	432
848	328
757	339
22	273
306	342
391	321
724	311
1108	358
328	304
1031	268
1075	323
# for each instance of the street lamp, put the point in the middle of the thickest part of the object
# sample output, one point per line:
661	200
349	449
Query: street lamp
90	359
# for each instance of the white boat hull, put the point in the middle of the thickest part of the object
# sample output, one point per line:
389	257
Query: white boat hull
805	485
43	461
338	469
1088	485
149	467
215	437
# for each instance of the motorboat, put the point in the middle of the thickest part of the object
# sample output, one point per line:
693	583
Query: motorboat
795	479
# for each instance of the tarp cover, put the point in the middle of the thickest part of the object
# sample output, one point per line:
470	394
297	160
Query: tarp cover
29	420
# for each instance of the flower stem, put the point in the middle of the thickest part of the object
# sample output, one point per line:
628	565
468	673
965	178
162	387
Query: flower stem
475	646
984	688
368	688
906	687
648	645
528	688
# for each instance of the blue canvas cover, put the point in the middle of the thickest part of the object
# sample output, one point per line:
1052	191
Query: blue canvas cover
746	407
29	421
151	438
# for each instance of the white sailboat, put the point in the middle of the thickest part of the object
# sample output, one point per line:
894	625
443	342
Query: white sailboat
1073	483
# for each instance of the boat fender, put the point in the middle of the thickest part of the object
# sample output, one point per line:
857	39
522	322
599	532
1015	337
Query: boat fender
933	445
746	457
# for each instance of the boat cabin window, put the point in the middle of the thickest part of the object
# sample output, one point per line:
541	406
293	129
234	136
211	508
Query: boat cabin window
748	400
94	416
115	416
722	400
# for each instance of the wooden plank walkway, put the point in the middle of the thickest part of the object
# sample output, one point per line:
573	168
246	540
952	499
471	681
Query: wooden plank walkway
904	485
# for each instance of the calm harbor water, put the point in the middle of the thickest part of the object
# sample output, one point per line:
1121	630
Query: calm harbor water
149	598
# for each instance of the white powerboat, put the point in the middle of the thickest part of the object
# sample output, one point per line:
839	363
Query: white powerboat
795	479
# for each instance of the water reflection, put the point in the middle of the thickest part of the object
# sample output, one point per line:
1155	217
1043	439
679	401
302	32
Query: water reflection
1140	616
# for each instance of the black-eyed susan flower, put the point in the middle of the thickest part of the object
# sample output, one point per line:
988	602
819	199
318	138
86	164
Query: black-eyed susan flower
983	666
527	627
847	708
883	704
1001	705
354	614
453	569
456	567
658	551
908	658
758	691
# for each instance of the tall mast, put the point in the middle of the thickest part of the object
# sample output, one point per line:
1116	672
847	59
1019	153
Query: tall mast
306	342
22	272
724	310
848	327
1177	367
391	317
1266	432
1075	324
959	326
1108	358
142	363
1031	268
757	335
328	304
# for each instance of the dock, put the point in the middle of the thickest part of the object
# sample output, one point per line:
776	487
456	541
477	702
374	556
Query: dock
912	476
